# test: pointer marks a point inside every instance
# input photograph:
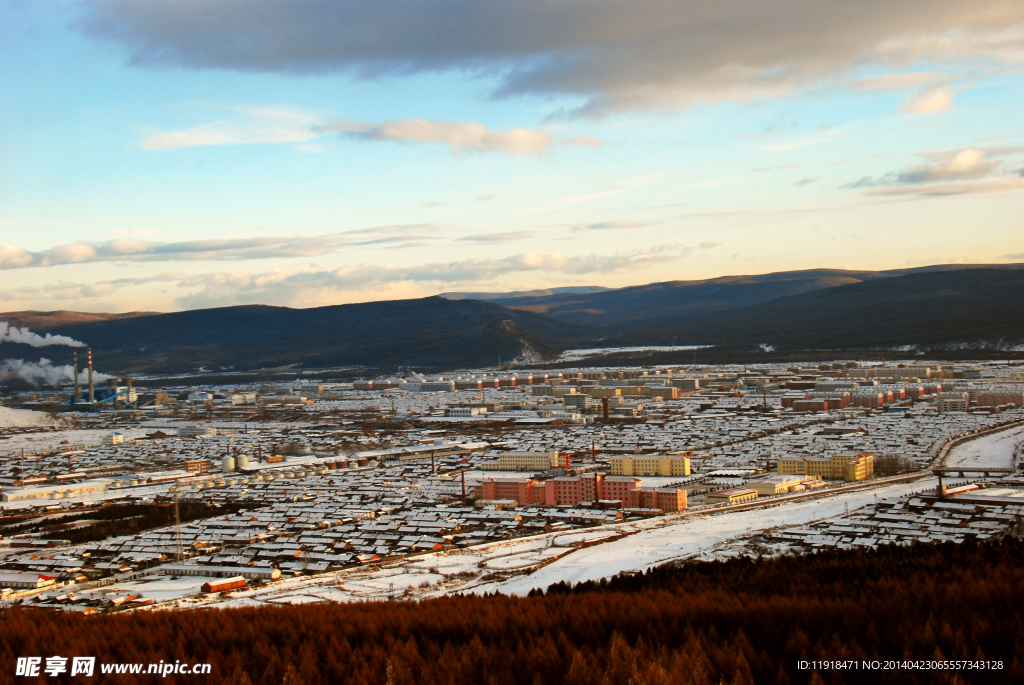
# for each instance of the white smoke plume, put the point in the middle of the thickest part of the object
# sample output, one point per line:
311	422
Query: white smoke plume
46	373
13	334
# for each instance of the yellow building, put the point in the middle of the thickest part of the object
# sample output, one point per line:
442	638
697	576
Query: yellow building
651	465
531	461
731	496
848	467
659	391
779	485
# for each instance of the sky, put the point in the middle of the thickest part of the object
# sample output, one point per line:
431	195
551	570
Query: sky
160	155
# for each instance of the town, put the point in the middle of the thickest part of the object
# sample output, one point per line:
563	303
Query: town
127	495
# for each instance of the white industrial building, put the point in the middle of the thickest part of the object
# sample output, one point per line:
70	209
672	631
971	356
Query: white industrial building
56	491
24	581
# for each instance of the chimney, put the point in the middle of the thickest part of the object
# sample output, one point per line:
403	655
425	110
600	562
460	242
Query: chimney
604	404
78	390
92	390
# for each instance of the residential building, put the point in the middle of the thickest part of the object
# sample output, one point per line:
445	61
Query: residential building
952	401
521	490
665	499
113	439
532	461
997	397
464	412
847	467
650	465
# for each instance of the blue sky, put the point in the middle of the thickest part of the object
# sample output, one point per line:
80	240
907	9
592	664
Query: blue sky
173	154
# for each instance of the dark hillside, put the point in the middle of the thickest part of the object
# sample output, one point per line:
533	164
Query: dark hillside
430	331
742	622
678	299
939	309
946	311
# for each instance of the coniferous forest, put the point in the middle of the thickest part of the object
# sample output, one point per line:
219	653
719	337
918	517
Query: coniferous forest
739	621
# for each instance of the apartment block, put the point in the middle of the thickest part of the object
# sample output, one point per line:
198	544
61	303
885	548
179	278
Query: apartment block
650	465
847	467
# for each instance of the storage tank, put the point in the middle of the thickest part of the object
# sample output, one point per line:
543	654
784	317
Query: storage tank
243	460
227	464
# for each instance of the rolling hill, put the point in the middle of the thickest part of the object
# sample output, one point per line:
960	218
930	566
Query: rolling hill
677	301
943	308
426	332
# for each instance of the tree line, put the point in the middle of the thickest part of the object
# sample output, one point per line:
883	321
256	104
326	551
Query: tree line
740	621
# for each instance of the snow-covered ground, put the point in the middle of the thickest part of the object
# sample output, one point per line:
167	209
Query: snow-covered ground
572	355
158	588
995	450
45	442
691	536
557	556
25	418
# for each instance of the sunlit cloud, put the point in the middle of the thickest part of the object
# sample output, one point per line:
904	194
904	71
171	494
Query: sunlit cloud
228	249
929	101
459	137
899	81
505	237
276	125
303	286
948	172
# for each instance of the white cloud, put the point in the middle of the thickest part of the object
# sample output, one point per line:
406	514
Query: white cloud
289	125
900	81
228	249
929	101
497	237
313	286
956	165
999	184
460	137
13	257
252	125
614	55
949	172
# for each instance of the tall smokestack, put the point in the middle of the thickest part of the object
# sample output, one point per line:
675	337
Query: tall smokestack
78	389
92	390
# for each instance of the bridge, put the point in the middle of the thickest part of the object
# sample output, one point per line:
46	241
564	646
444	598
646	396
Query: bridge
961	471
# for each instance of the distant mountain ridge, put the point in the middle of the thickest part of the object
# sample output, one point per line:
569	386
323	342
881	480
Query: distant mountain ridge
431	331
673	300
937	308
